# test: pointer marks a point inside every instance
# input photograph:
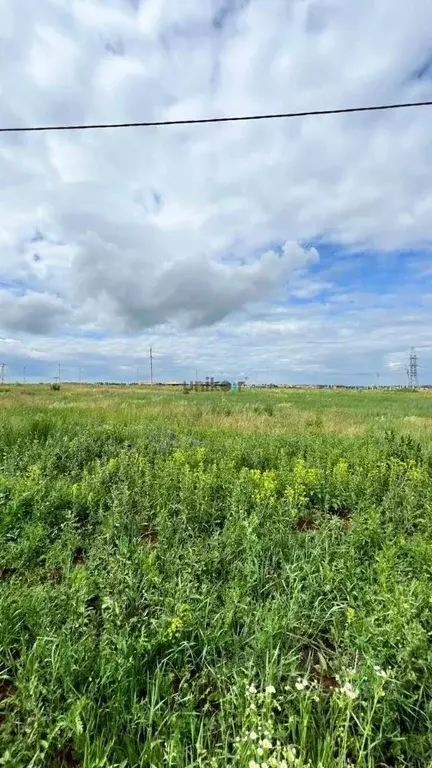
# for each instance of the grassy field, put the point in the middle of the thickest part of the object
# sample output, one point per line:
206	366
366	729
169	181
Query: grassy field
239	579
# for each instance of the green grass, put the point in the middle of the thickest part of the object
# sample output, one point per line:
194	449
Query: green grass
161	554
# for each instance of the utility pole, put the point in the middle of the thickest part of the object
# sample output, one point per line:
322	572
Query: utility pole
24	375
151	366
2	367
196	375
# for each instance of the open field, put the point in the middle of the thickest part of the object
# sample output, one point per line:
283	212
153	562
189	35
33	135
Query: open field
215	579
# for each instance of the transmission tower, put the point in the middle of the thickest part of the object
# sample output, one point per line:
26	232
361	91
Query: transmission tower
413	370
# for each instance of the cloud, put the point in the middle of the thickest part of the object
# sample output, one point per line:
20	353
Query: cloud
35	313
187	225
197	291
300	344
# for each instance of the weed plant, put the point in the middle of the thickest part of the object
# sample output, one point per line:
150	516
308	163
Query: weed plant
181	587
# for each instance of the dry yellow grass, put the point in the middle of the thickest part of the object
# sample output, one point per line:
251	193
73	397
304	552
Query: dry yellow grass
253	412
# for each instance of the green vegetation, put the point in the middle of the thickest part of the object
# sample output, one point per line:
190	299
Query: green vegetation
215	580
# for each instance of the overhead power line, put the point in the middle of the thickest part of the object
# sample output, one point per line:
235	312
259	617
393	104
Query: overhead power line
203	120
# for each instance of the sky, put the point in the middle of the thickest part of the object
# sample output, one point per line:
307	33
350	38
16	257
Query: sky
294	251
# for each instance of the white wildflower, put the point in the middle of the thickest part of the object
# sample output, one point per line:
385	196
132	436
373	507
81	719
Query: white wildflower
253	736
349	691
270	689
260	751
301	684
252	689
380	672
253	764
266	743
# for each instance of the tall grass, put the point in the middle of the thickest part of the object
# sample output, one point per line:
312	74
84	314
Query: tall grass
184	590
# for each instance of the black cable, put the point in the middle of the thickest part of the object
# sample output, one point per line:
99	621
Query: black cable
203	120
